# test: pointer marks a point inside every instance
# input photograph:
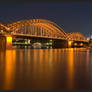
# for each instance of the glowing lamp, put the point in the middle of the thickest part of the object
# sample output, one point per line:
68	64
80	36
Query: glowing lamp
75	44
69	43
81	44
9	39
8	42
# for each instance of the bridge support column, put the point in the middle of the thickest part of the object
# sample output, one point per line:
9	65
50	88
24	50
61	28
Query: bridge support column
8	42
5	42
2	42
60	44
70	43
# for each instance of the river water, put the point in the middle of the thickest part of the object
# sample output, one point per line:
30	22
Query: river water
46	69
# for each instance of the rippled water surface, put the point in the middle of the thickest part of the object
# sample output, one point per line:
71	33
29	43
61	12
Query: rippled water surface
46	69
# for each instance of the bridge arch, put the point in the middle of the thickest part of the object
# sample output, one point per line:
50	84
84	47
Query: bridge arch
76	36
38	27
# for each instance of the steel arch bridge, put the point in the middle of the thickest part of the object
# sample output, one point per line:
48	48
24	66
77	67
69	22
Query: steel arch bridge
42	28
37	28
76	36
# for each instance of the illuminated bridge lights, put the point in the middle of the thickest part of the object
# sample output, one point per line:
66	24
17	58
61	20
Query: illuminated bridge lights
9	39
76	36
69	44
8	42
81	44
75	44
40	28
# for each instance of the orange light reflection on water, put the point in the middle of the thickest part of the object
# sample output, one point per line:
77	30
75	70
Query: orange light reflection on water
70	68
9	69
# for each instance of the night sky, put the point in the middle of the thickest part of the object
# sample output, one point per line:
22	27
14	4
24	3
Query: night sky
76	16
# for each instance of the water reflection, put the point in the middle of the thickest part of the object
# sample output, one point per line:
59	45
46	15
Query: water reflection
10	66
46	69
70	68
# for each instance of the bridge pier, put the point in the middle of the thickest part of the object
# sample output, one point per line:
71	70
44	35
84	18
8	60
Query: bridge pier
2	42
5	42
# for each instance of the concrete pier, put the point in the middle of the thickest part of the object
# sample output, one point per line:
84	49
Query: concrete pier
2	42
5	42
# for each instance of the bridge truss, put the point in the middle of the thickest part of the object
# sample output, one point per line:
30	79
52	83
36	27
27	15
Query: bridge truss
39	28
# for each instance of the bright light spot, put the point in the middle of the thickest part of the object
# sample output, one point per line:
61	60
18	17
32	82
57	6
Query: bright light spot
50	40
8	42
88	38
9	39
1	31
81	44
8	28
75	44
50	43
69	43
47	43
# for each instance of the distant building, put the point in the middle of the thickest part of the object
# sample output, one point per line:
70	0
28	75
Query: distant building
90	41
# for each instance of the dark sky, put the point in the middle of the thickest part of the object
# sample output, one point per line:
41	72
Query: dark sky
76	16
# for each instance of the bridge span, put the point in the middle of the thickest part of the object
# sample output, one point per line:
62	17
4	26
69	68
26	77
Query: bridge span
39	30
